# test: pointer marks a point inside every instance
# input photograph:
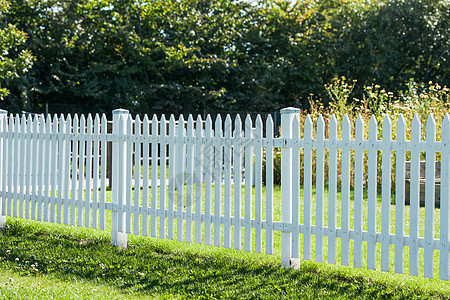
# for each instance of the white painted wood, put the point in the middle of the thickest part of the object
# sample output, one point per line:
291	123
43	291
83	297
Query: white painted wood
237	179
358	194
414	197
29	164
208	154
162	179
119	152
180	160
17	166
61	174
95	172
320	190
171	186
137	176
429	197
104	154
54	168
307	188
154	176
248	184
129	175
400	195
258	183
189	177
23	163
74	191
218	160
287	116
11	153
47	166
67	158
198	179
3	159
386	195
6	162
332	190
444	201
227	183
345	191
269	184
372	195
81	170
145	175
88	193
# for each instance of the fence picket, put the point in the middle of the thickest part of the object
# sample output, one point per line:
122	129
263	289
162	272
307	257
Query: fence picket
269	184
386	196
81	169
171	186
237	179
145	175
162	178
54	168
227	183
3	160
332	191
320	195
345	192
95	172
73	193
42	159
248	184
414	197
218	157
444	203
137	175
129	175
359	167
88	184
429	197
179	179
61	171
104	153
22	169
208	153
154	176
307	190
372	195
17	166
400	195
189	177
29	163
198	178
68	152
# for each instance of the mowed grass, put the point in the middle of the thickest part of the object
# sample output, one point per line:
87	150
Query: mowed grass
80	263
43	261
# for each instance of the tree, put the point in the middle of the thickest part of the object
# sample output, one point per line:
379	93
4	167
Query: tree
13	61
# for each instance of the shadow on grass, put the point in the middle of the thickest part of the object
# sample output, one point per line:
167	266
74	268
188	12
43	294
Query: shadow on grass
155	268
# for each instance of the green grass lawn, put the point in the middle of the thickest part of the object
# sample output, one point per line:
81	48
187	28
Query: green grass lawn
43	261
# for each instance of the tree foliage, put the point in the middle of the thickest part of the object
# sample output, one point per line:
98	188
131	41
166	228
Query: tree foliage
196	55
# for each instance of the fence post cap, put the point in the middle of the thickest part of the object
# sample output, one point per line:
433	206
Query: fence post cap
290	110
3	112
120	111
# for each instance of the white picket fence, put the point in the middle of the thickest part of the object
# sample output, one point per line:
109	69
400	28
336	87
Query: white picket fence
54	170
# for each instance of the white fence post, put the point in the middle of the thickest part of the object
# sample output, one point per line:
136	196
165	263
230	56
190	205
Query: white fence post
3	115
287	116
118	235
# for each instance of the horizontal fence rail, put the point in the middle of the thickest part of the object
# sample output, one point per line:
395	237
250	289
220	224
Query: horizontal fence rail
196	180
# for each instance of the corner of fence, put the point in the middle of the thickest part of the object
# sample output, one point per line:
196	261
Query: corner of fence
3	115
118	233
287	116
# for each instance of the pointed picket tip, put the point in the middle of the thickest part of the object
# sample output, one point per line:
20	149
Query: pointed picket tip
401	121
269	126
373	120
387	120
238	121
146	120
269	119
346	119
163	118
208	118
199	119
320	121
89	118
30	119
137	120
258	120
180	118
333	119
228	120
430	120
155	118
49	118
97	118
103	118
190	118
248	120
36	118
296	127
69	119
218	121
